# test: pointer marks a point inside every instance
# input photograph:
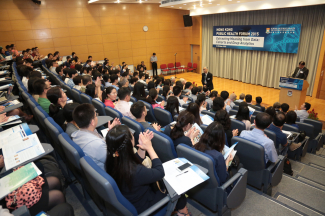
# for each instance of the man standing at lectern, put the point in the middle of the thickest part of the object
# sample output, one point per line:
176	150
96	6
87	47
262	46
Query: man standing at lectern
301	72
207	79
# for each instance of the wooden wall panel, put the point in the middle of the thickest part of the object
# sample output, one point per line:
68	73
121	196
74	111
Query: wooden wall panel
114	31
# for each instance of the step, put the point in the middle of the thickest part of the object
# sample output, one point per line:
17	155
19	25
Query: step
321	151
302	192
311	182
257	203
313	158
297	205
314	173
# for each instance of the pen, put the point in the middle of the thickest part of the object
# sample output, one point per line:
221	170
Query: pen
182	173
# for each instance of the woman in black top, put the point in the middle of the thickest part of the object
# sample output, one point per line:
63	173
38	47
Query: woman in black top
151	85
218	104
200	101
195	110
172	105
133	179
58	100
184	123
222	117
138	91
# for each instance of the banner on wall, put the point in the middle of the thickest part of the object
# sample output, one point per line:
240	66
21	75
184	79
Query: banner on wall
273	38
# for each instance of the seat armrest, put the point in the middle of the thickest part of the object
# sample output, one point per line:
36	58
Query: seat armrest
240	173
21	211
273	165
156	206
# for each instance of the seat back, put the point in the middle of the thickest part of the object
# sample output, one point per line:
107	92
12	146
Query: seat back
236	107
178	64
54	130
194	65
161	98
253	118
171	65
41	115
233	112
317	125
163	117
308	128
163	66
134	125
76	95
163	145
100	106
288	127
133	99
68	90
252	156
189	65
257	108
236	124
72	152
150	114
85	98
206	192
207	112
113	113
270	134
237	103
106	188
203	127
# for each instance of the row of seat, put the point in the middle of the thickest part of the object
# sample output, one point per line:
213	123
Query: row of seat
172	68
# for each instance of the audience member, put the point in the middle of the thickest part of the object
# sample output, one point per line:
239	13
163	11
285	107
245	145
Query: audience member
248	99
41	87
177	90
139	92
224	95
195	110
183	124
302	113
139	111
172	105
231	99
276	127
152	97
167	92
241	98
284	107
218	104
188	88
71	126
271	111
243	115
262	121
200	101
69	80
291	118
277	106
31	88
109	96
123	104
77	80
58	101
151	85
223	117
87	137
258	103
124	82
212	142
194	92
212	96
133	179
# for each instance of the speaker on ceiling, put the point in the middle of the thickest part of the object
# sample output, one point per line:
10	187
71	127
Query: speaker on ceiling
187	20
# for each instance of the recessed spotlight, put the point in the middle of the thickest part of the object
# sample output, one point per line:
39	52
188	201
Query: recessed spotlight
229	0
238	1
218	4
184	4
210	2
172	6
180	7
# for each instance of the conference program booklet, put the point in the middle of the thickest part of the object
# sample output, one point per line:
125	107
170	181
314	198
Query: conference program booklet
182	181
251	110
227	151
198	137
12	120
206	119
21	150
19	131
18	178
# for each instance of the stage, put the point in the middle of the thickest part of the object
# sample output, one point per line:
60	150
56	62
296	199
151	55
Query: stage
269	95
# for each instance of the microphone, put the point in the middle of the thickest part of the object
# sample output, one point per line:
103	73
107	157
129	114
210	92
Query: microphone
175	54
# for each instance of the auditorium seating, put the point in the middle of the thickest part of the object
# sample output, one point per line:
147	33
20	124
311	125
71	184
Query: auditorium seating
150	114
261	175
134	125
163	117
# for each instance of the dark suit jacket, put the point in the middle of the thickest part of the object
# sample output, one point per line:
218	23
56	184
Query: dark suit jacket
302	75
259	105
209	83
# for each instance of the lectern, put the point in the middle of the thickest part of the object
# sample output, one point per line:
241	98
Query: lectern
293	91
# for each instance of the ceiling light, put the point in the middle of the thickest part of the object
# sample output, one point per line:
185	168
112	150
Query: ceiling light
184	4
180	7
218	4
210	3
229	0
238	1
140	1
172	6
91	1
194	7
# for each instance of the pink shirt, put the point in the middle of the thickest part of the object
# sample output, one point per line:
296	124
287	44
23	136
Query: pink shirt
124	108
157	105
109	103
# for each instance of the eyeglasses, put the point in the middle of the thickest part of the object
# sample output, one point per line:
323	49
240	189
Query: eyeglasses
96	114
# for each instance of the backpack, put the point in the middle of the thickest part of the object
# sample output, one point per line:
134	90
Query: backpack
287	167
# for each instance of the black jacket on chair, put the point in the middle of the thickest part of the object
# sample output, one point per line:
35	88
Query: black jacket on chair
302	75
209	83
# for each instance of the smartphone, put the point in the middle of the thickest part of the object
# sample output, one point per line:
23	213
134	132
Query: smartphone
184	166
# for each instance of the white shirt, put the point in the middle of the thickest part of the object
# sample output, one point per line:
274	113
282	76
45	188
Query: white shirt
124	108
25	82
302	114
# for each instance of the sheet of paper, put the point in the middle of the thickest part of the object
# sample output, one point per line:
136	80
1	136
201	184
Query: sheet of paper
21	150
251	110
180	109
19	131
18	178
185	180
288	133
232	116
206	119
11	118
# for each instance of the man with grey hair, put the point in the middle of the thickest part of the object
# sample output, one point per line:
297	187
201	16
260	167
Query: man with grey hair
241	97
231	98
183	81
172	81
207	79
124	82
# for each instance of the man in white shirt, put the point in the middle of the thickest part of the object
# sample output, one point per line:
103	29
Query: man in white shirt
231	98
123	104
53	66
153	61
302	113
177	90
241	98
142	77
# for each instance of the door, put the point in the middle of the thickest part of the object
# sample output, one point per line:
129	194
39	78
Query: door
321	84
196	56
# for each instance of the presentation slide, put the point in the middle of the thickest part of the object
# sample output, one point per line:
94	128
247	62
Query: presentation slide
273	38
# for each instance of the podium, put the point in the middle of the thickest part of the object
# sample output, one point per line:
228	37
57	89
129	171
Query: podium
293	91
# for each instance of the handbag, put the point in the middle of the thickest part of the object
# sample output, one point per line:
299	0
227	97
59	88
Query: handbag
28	194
